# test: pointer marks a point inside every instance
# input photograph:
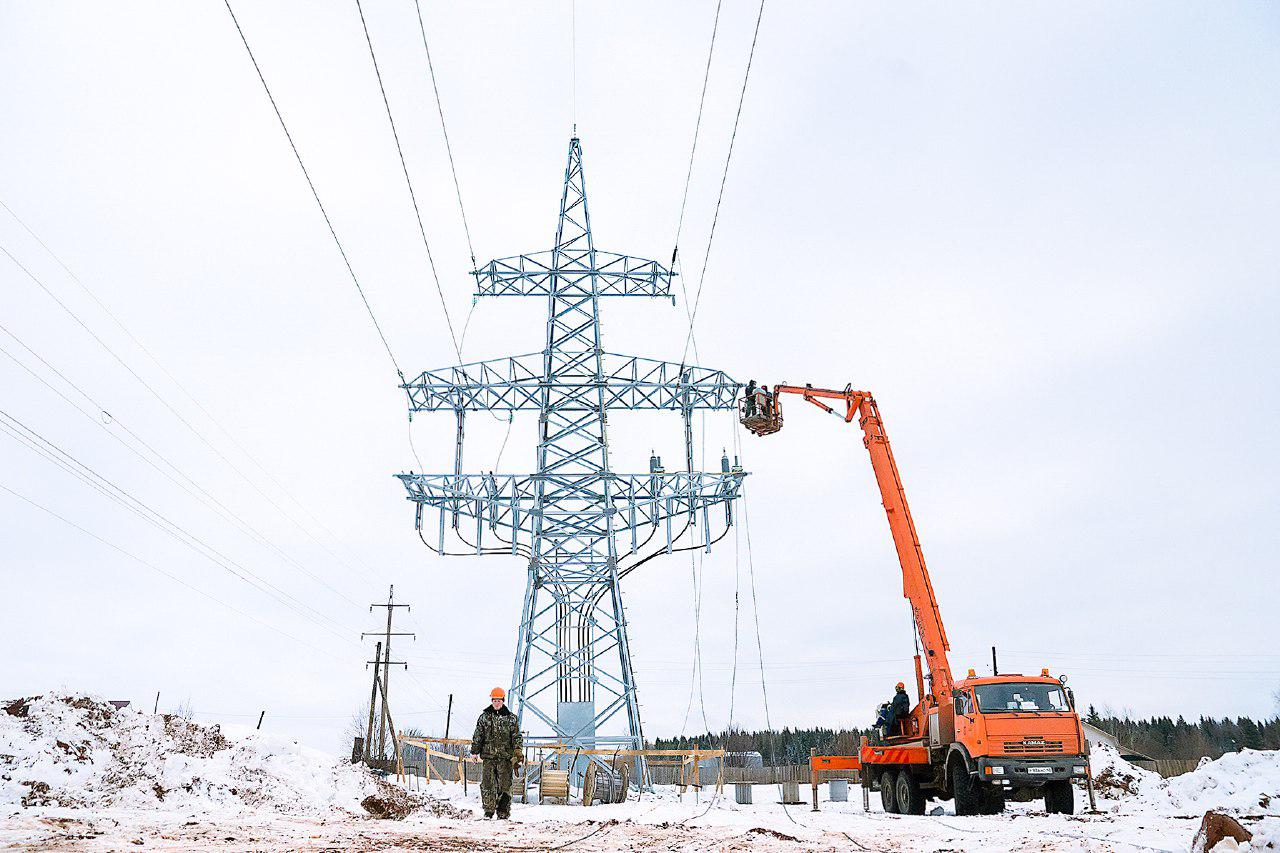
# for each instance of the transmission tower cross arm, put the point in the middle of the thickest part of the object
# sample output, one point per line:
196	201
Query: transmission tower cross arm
516	383
594	273
507	504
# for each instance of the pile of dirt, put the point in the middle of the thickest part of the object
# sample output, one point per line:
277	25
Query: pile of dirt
390	802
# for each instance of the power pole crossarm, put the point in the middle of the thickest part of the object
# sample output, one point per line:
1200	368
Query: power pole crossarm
382	664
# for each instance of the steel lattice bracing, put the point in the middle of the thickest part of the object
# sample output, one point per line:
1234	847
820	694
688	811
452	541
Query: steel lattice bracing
574	517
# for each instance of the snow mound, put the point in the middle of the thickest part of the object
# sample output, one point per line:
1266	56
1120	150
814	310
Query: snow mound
80	751
1116	779
1246	782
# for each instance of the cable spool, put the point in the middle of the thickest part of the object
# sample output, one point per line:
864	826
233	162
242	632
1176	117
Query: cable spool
605	786
553	785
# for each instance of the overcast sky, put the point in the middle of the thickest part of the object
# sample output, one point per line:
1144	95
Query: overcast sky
1044	235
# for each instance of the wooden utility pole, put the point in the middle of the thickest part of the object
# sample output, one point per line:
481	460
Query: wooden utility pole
260	716
384	662
448	715
994	669
373	700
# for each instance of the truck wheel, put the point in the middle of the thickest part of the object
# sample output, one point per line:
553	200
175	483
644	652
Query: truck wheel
992	801
1059	798
907	794
965	789
887	798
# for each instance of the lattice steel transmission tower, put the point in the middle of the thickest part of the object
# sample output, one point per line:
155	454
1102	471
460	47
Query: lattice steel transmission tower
577	522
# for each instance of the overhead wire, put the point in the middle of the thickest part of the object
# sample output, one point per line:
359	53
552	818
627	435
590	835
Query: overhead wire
314	192
106	420
733	678
181	386
48	450
156	568
755	602
715	218
154	393
693	150
413	197
444	130
453	169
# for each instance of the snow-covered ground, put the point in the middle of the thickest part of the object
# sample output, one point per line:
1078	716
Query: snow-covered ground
76	774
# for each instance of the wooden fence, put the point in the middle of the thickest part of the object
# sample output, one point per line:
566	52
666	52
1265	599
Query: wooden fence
1167	767
751	775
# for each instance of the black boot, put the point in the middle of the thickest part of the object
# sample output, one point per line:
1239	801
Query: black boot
488	815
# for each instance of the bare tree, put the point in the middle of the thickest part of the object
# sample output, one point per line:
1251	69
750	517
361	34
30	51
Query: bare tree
355	728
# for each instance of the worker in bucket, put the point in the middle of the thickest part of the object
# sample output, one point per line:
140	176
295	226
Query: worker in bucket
498	743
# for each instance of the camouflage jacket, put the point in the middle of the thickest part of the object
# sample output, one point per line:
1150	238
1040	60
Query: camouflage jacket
497	735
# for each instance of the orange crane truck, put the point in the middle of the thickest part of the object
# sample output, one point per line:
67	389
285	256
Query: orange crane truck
979	740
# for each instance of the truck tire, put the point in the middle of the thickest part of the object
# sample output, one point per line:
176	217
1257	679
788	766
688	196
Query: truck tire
992	801
888	799
1059	798
907	795
965	789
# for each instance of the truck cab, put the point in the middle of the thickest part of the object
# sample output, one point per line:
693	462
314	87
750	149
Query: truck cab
1020	737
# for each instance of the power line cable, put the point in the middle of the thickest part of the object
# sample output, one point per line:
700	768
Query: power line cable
180	386
715	218
755	602
733	678
684	200
466	228
205	497
36	442
167	574
159	398
697	127
573	51
314	193
426	244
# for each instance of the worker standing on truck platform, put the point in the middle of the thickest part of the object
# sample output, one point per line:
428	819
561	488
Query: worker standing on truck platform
498	743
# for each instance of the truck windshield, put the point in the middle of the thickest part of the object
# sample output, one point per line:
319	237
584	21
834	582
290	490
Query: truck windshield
1021	697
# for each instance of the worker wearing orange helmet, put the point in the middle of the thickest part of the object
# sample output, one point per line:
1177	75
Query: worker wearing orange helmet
898	708
498	743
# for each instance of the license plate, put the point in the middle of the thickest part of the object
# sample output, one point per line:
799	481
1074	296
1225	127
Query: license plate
1039	769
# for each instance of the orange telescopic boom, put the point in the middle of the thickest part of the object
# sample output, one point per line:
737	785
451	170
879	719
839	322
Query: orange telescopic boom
977	740
762	414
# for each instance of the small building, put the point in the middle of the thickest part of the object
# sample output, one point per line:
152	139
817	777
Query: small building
1096	736
743	759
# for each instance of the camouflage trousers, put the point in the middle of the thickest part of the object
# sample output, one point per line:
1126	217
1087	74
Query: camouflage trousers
495	786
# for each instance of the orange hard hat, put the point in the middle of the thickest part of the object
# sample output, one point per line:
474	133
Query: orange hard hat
497	693
901	686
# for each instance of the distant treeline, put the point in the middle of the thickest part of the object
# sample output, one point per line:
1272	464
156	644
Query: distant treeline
789	746
1157	737
1164	737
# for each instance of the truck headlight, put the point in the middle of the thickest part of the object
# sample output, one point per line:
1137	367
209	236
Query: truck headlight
997	771
1079	768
